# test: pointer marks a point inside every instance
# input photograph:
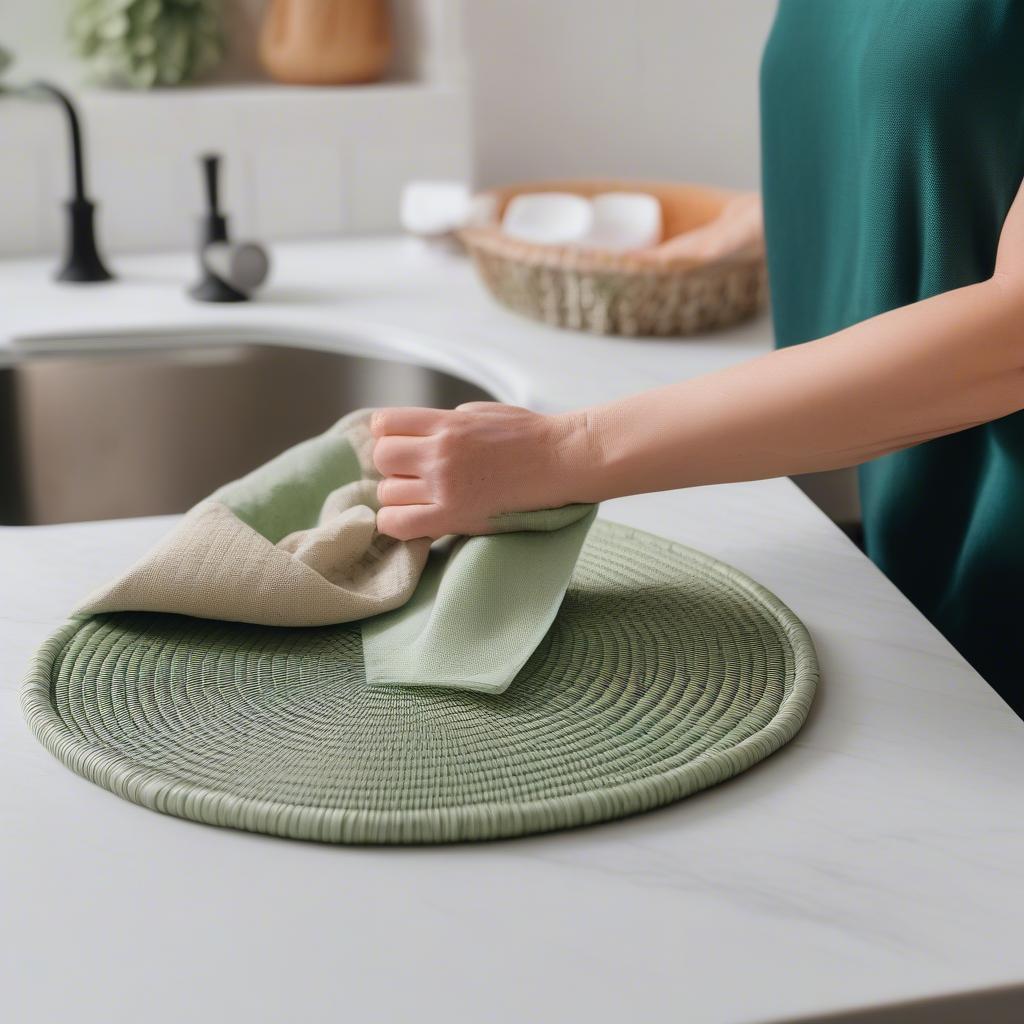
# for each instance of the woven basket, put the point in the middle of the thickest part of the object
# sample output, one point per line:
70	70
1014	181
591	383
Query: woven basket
614	292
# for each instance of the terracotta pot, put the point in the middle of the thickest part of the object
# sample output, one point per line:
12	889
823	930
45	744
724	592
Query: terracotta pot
326	42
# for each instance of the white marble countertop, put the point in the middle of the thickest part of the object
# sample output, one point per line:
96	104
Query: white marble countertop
877	859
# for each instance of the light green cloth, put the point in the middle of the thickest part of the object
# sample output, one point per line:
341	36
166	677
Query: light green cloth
482	605
294	543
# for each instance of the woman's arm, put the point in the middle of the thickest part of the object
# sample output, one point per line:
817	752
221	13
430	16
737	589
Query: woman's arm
931	368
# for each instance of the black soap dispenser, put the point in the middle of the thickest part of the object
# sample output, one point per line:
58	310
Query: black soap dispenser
213	228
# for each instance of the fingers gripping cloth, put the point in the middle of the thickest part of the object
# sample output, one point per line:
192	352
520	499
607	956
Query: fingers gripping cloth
294	543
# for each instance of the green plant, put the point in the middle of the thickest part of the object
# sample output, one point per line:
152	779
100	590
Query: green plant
145	43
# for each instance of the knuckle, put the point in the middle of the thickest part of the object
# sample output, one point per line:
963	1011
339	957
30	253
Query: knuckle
441	472
390	522
380	455
439	464
444	491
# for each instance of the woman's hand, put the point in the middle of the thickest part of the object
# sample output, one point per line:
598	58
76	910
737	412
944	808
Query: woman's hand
739	228
451	471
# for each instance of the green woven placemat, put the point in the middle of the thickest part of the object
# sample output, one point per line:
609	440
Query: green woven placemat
664	673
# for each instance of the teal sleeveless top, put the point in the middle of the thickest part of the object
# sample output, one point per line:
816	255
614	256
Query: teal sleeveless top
893	146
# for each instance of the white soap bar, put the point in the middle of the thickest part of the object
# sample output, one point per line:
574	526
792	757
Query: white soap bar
435	207
624	220
550	218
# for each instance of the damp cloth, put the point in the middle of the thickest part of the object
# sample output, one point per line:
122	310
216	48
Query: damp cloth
294	544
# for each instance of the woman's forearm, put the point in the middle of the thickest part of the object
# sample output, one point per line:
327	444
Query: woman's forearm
931	368
937	366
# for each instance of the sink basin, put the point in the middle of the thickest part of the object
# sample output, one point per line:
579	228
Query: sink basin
106	435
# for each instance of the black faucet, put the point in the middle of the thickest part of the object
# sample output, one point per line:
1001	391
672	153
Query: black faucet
82	262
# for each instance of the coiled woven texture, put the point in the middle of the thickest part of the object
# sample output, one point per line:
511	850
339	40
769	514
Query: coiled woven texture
636	303
665	672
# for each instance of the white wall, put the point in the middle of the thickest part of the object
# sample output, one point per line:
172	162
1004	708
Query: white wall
655	88
646	88
299	162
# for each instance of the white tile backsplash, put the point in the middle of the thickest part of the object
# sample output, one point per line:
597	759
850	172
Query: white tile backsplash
298	189
381	169
297	162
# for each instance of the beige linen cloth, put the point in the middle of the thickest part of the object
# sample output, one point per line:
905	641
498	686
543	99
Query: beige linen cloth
294	543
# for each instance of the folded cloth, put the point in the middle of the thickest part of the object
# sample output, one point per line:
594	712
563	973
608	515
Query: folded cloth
294	543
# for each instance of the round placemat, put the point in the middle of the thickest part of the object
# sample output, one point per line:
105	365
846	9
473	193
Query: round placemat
664	673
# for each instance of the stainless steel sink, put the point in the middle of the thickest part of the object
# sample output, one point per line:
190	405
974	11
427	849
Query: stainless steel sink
105	435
